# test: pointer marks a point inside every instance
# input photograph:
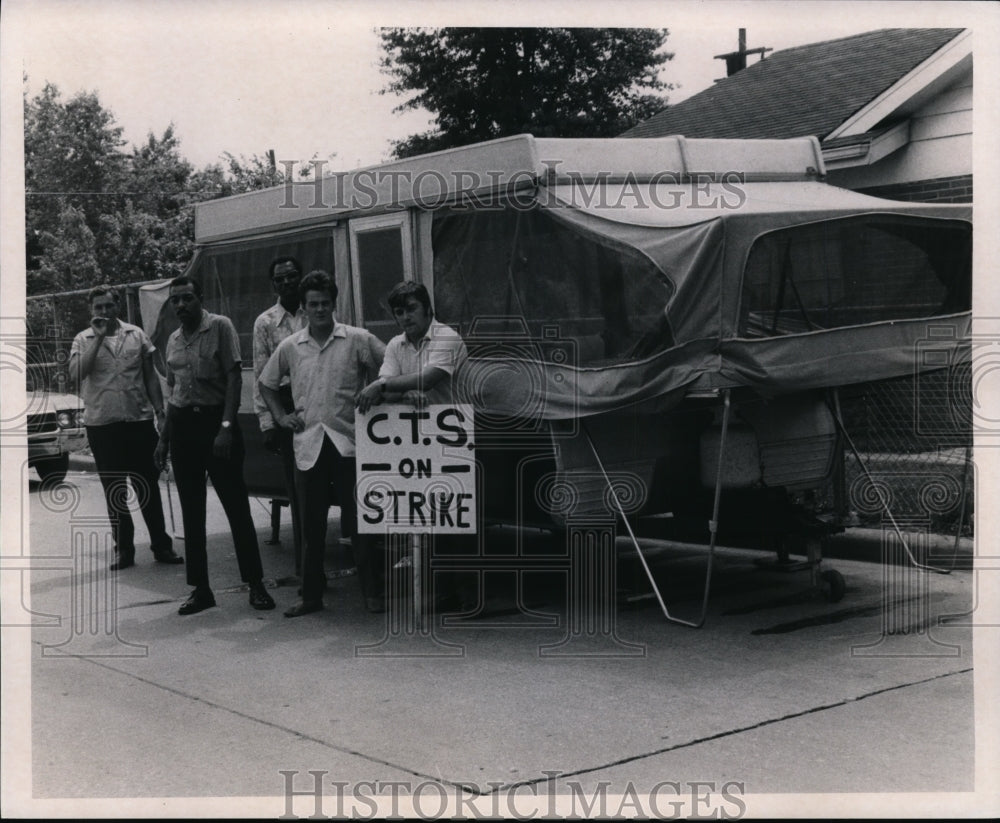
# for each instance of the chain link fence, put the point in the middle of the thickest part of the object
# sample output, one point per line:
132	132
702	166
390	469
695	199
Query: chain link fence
53	320
912	451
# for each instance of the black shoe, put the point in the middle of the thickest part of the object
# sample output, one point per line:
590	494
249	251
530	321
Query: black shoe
168	556
457	602
199	600
304	607
122	561
326	585
259	598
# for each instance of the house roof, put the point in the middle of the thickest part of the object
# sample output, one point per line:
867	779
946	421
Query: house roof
802	91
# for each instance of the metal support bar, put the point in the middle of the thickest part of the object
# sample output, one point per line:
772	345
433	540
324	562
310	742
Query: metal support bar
712	525
420	618
834	407
170	504
274	540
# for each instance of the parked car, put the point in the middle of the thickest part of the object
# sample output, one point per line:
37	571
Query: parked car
55	429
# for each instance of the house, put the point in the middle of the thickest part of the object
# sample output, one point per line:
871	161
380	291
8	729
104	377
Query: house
892	110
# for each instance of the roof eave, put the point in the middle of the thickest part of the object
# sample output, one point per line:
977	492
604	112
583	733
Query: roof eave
949	60
867	149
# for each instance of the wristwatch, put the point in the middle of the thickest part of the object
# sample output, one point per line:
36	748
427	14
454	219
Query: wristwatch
226	424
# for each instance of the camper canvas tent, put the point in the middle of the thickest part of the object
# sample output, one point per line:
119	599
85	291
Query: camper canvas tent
607	287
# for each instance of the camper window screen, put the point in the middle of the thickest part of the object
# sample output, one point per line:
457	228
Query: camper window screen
379	267
236	282
501	272
854	271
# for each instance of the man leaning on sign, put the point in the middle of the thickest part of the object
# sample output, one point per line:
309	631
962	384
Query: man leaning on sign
327	363
419	367
420	362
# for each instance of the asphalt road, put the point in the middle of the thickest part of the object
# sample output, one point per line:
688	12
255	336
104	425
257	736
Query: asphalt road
779	693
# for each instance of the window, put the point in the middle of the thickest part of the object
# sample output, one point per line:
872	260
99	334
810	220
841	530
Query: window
381	257
235	276
853	271
516	272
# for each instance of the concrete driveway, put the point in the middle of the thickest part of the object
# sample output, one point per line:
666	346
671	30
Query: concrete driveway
780	693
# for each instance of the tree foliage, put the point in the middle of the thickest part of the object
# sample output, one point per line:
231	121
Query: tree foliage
70	260
72	160
483	83
96	211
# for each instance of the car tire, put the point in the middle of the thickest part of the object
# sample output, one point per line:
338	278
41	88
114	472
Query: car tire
53	469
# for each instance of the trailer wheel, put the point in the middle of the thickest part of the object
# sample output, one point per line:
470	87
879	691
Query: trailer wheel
833	585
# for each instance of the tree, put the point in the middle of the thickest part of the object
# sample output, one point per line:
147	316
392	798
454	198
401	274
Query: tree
70	261
483	83
158	175
96	212
72	158
249	175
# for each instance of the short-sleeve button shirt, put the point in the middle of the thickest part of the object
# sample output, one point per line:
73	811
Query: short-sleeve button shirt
197	366
269	329
114	391
441	346
325	380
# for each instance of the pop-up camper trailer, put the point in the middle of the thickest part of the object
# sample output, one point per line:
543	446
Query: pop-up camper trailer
669	318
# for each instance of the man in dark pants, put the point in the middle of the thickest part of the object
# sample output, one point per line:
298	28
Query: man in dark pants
201	432
272	326
328	363
112	363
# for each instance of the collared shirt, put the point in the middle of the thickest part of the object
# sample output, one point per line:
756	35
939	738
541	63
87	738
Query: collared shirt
115	391
197	366
324	382
441	347
269	329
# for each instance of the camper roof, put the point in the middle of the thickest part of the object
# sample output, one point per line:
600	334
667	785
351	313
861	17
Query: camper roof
507	165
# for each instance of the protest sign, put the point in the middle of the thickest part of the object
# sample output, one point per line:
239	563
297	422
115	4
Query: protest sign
416	470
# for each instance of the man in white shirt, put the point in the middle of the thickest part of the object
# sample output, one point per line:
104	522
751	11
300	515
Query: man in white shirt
419	368
327	363
111	361
419	363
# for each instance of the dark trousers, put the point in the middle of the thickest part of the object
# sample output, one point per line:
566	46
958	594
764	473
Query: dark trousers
191	437
287	450
314	493
122	452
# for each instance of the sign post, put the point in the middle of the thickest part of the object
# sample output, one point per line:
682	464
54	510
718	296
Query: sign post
416	474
